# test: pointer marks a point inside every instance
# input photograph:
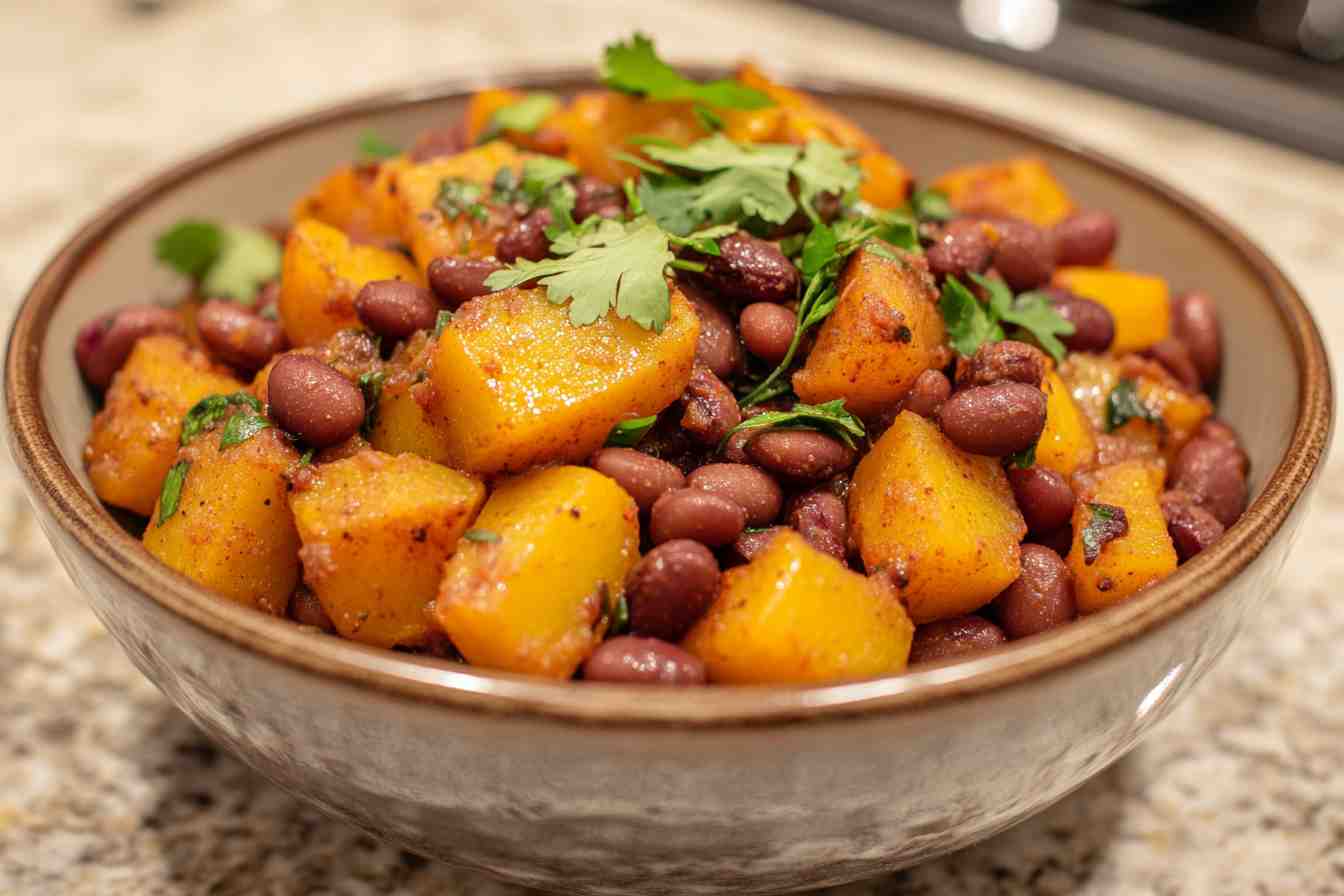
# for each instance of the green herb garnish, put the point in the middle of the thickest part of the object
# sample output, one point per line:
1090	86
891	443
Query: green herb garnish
229	261
709	119
1124	404
371	385
971	324
373	148
205	413
829	417
444	318
824	168
628	433
482	536
932	205
458	196
1106	524
241	427
1023	459
523	117
190	246
171	493
634	67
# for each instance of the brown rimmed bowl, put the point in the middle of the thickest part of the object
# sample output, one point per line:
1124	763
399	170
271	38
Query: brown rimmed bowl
620	790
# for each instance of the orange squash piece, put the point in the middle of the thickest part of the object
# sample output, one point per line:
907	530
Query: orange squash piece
1140	303
1019	188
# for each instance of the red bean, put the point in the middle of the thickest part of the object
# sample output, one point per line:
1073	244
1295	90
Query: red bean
594	196
750	269
1007	360
103	345
1058	540
631	660
1211	472
927	395
1093	324
396	309
238	337
526	238
751	487
313	401
1213	428
994	420
1195	322
716	347
1085	238
455	280
670	588
1192	528
1174	357
1041	598
698	515
1043	496
800	453
645	478
767	330
711	409
954	638
819	516
1025	254
963	247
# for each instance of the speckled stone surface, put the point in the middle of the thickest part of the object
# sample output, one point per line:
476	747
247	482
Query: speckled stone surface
105	788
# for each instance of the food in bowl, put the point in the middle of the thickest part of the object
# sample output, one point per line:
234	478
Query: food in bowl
674	382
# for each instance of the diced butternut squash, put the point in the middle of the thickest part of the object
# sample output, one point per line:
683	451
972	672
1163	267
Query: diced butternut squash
356	199
481	111
1133	561
1068	442
598	124
428	230
320	276
942	522
804	117
232	530
402	423
376	530
886	182
134	437
516	384
1140	303
795	614
1020	188
530	590
884	332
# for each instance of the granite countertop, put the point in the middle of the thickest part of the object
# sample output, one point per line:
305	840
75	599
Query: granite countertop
105	788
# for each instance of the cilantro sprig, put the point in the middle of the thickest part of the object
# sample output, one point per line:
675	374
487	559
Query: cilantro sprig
228	261
1105	523
971	324
523	117
634	67
629	433
205	413
1125	404
829	417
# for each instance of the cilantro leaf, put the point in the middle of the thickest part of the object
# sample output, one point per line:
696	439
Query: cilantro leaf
241	427
482	536
190	246
523	117
743	192
248	258
541	173
171	493
628	433
1023	459
824	168
717	152
634	67
969	324
819	249
829	417
1124	404
706	241
710	119
373	148
932	205
371	385
205	413
458	196
1106	523
621	267
443	319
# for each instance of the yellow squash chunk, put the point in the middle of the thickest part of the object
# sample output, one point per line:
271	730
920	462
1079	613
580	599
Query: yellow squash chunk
1020	188
1068	441
598	124
376	530
530	591
356	199
402	424
803	117
884	332
320	276
427	229
481	111
794	614
134	437
1134	561
940	520
1140	303
516	384
232	531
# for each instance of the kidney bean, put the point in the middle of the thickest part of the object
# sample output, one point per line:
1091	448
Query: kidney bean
1025	254
800	453
819	516
927	395
750	269
753	541
1192	528
1041	598
1008	360
1174	357
711	409
313	401
670	588
526	238
631	660
455	280
958	637
1058	540
1093	324
698	515
1210	471
963	247
306	609
1213	428
716	347
994	420
767	330
594	196
1043	496
238	337
751	487
1086	238
103	345
395	309
645	478
1194	320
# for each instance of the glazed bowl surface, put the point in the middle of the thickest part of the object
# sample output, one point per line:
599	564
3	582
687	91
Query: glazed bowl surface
610	789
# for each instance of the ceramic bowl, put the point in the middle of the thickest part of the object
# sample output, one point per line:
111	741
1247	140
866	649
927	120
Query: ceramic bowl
610	789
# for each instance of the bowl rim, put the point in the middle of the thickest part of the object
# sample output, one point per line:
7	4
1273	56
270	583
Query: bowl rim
81	517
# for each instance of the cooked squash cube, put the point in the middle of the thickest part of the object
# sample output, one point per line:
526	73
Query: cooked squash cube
134	437
803	117
322	272
232	530
530	589
886	182
600	123
1068	442
516	384
376	530
1020	188
884	332
1140	303
402	424
485	103
795	614
1133	561
357	200
942	522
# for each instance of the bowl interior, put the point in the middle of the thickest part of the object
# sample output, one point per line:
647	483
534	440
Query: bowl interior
257	178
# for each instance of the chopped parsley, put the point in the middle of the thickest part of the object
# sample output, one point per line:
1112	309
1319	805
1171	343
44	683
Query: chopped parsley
371	385
634	67
458	196
241	427
1107	523
228	261
481	536
931	205
205	413
829	417
373	148
629	433
971	324
1124	404
824	168
1023	459
523	117
171	494
710	119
